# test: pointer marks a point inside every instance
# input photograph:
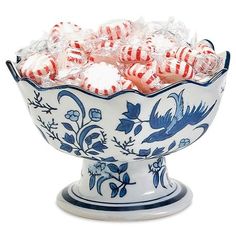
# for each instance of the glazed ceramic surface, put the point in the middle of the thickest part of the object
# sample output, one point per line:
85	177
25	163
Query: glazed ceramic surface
124	139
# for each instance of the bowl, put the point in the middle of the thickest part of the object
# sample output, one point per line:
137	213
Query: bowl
124	140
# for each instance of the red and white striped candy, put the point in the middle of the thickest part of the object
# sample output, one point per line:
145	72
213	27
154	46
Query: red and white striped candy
143	77
128	84
105	44
150	44
207	64
131	53
101	91
187	54
204	47
172	70
102	79
82	40
61	29
74	55
116	29
38	66
170	53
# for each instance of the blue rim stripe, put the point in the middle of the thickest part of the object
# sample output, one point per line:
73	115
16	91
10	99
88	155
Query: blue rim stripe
163	203
39	88
127	203
212	45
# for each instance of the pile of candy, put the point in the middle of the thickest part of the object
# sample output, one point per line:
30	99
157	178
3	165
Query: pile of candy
120	55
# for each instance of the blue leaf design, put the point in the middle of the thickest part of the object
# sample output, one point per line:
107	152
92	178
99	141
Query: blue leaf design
94	135
158	151
68	126
84	133
172	145
113	168
133	111
144	152
123	167
92	181
138	129
77	152
114	189
109	159
123	192
162	177
88	140
100	182
125	125
126	178
69	138
66	147
156	180
75	98
99	146
93	153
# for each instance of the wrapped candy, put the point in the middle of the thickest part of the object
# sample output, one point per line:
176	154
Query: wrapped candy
119	55
134	53
37	66
61	29
173	70
101	78
143	77
116	29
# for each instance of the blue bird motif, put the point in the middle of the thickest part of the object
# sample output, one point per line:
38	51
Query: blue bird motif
179	112
172	122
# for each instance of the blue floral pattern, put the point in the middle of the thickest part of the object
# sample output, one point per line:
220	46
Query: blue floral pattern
72	115
159	171
82	137
167	125
117	176
184	142
37	103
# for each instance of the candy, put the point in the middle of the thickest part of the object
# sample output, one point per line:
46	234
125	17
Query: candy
173	70
187	54
116	29
130	53
207	64
204	47
121	55
75	56
61	29
37	66
127	84
105	44
143	77
102	79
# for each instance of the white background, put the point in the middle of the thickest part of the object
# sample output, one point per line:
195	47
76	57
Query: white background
32	172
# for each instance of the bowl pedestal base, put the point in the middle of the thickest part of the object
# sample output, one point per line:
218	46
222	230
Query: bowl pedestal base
120	191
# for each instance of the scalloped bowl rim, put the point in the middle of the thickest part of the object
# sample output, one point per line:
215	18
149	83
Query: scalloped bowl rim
123	92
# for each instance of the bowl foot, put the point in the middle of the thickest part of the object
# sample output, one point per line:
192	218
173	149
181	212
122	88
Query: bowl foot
138	190
70	202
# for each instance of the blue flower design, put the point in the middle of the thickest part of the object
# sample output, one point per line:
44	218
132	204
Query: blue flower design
95	114
159	171
117	176
72	115
184	142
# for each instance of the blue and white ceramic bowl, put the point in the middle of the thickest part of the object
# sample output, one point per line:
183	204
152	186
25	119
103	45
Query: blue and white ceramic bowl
124	139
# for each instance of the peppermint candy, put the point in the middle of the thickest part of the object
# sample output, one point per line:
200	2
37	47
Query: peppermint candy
117	29
38	66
